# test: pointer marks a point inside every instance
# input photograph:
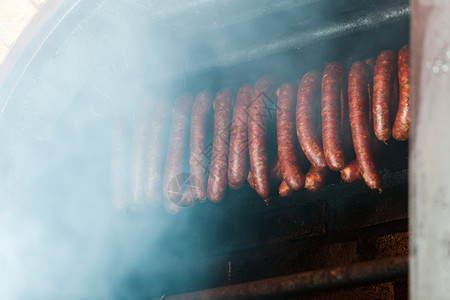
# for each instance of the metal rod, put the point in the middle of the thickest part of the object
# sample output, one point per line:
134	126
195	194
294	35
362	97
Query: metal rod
351	275
360	21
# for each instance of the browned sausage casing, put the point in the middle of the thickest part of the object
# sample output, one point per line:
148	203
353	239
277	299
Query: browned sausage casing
383	79
306	119
257	131
217	181
331	92
176	152
156	150
237	161
359	123
284	189
351	172
197	159
315	178
286	138
400	129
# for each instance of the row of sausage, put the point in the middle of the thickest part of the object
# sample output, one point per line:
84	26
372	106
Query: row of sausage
329	121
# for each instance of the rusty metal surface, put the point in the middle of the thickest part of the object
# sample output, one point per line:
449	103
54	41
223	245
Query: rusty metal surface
429	196
350	275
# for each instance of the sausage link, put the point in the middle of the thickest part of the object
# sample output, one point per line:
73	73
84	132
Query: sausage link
383	79
315	178
400	130
156	150
351	172
237	161
287	142
257	131
197	159
331	132
306	119
178	140
359	123
217	181
284	190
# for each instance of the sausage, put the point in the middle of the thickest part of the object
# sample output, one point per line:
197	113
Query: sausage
306	119
237	161
351	172
257	130
178	140
284	189
331	131
287	143
119	161
400	130
197	159
156	150
383	79
217	181
359	123
315	178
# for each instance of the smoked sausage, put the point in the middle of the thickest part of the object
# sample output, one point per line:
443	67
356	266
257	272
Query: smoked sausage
257	131
306	119
383	80
400	130
237	161
217	181
359	123
197	159
331	130
287	142
176	151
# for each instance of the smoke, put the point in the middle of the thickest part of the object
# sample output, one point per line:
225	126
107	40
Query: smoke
60	234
